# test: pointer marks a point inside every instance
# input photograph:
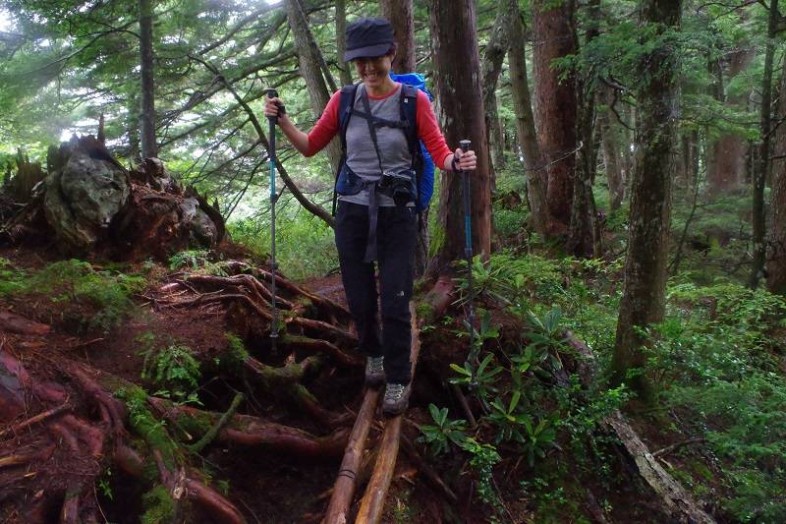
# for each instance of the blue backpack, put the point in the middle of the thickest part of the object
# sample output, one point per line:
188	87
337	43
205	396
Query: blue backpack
421	160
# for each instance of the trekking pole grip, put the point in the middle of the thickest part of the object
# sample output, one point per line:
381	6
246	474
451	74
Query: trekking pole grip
272	93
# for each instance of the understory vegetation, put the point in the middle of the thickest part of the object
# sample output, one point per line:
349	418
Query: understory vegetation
717	360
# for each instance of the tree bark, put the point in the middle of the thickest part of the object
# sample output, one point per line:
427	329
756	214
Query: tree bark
147	121
341	42
762	166
610	147
776	265
583	239
726	165
494	53
643	296
525	126
457	70
399	13
556	103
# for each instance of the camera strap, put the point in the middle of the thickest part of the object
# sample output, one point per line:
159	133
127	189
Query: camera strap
373	204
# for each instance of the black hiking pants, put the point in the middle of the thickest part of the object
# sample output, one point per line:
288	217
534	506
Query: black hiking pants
396	230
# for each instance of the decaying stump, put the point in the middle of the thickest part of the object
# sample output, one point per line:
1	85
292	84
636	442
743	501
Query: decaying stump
91	204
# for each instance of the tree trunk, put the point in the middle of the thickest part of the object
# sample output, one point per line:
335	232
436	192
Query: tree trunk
399	12
726	165
147	121
556	104
583	239
345	74
457	72
643	296
610	147
762	166
310	61
776	265
525	125
493	55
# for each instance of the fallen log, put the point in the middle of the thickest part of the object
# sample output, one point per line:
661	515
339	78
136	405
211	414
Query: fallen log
344	488
678	504
373	501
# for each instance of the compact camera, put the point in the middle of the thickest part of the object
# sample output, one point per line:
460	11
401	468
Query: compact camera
400	186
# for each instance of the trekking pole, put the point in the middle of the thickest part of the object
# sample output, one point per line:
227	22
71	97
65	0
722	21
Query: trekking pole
272	120
472	357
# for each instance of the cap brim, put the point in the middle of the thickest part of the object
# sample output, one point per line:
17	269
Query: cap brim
371	51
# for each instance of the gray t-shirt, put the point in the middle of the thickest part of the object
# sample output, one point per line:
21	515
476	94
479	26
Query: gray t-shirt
392	142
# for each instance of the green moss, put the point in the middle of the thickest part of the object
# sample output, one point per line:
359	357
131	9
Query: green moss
158	505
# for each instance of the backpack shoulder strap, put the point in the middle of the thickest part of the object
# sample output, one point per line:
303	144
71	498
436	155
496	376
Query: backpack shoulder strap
346	102
408	103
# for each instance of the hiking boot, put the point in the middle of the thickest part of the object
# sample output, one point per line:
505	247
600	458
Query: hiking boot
375	373
396	399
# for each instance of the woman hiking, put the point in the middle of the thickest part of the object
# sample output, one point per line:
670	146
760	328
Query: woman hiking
376	220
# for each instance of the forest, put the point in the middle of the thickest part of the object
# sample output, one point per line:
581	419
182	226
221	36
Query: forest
598	322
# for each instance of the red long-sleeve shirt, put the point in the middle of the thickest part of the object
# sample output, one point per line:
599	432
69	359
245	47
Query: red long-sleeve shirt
428	130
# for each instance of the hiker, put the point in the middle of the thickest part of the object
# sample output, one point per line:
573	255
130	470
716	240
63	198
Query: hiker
375	217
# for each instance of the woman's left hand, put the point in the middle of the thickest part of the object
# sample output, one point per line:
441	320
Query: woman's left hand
464	160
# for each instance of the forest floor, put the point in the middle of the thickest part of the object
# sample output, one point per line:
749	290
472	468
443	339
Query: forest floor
265	485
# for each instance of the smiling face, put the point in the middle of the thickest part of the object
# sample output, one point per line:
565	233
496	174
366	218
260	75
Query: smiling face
375	73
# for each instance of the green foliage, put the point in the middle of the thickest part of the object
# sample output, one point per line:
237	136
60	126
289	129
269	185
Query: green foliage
172	369
12	280
444	432
304	243
717	356
106	293
745	427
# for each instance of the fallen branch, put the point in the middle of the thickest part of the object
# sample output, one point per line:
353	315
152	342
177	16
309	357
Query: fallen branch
35	420
344	488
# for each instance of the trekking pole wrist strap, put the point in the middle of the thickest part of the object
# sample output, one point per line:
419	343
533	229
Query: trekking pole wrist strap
454	165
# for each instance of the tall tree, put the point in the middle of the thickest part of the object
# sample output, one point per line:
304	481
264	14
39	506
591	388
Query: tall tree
525	124
610	147
726	162
583	239
643	295
457	71
345	74
493	54
147	120
399	12
556	102
762	165
776	263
